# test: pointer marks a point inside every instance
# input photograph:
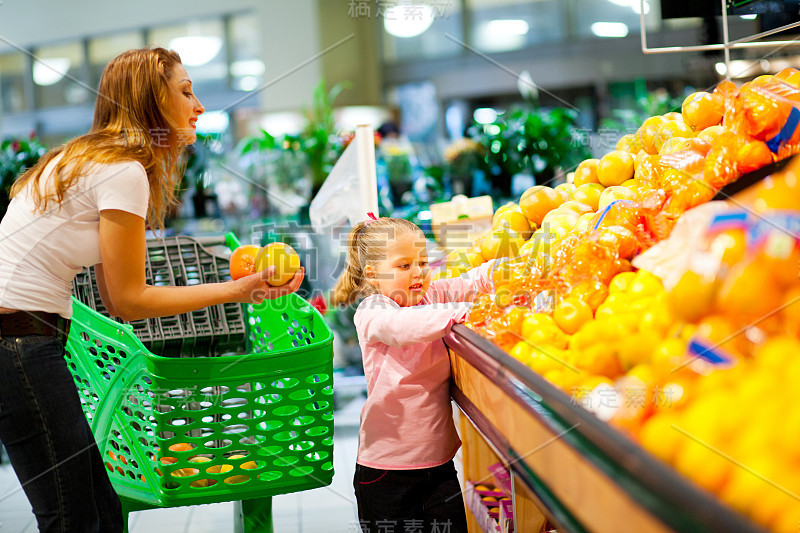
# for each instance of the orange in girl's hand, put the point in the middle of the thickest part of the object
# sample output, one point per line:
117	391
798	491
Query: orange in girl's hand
701	110
243	260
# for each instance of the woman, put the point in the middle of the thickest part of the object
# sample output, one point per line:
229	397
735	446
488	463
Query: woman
86	203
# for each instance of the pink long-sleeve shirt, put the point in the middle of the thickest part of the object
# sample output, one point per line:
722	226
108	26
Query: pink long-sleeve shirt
407	420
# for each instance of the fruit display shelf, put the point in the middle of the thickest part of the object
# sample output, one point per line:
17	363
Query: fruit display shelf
582	473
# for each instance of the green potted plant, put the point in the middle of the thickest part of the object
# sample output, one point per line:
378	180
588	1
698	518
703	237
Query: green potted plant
16	156
528	139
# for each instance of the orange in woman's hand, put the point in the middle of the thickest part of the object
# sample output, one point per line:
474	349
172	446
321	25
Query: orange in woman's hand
243	260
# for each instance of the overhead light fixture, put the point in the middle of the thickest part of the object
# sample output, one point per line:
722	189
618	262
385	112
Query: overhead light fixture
610	29
501	35
751	16
50	71
408	20
508	27
196	50
721	68
249	67
484	115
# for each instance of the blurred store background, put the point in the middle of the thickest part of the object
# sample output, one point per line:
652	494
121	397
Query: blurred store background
466	96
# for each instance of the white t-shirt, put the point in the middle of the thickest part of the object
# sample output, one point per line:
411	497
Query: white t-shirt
41	254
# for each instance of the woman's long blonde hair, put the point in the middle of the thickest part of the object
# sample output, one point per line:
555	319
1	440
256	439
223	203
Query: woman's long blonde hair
131	123
366	245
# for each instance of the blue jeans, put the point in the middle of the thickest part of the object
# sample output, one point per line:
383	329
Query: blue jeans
427	500
49	442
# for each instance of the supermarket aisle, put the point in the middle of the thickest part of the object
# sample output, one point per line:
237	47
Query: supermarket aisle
326	510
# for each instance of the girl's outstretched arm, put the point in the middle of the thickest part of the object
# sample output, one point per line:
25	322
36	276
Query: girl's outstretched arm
379	319
463	288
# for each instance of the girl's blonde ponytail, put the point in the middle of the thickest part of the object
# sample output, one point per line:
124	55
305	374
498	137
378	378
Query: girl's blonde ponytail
349	285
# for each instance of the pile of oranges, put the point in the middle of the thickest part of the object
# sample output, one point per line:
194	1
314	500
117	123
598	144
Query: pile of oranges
569	304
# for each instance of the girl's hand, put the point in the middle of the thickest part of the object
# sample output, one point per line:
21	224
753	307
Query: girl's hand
255	289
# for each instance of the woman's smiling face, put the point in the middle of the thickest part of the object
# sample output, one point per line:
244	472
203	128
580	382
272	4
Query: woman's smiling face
403	274
185	107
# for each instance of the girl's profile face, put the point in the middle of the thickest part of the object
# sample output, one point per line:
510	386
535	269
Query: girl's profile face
403	274
184	105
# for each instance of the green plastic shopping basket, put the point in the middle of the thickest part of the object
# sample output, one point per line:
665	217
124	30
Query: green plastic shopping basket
178	431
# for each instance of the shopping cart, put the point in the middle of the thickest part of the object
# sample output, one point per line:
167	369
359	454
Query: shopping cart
230	403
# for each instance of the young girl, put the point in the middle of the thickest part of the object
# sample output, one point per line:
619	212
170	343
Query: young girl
405	479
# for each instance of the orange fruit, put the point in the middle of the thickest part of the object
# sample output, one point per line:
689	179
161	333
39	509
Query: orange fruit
647	134
589	194
710	133
752	156
763	116
668	354
789	75
612	194
673	144
621	282
565	190
781	256
627	143
701	110
599	360
779	191
791	309
659	437
672	129
579	207
243	260
514	220
730	246
571	313
502	242
590	291
702	465
586	172
749	290
585	223
505	207
537	201
181	447
620	239
615	168
692	297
